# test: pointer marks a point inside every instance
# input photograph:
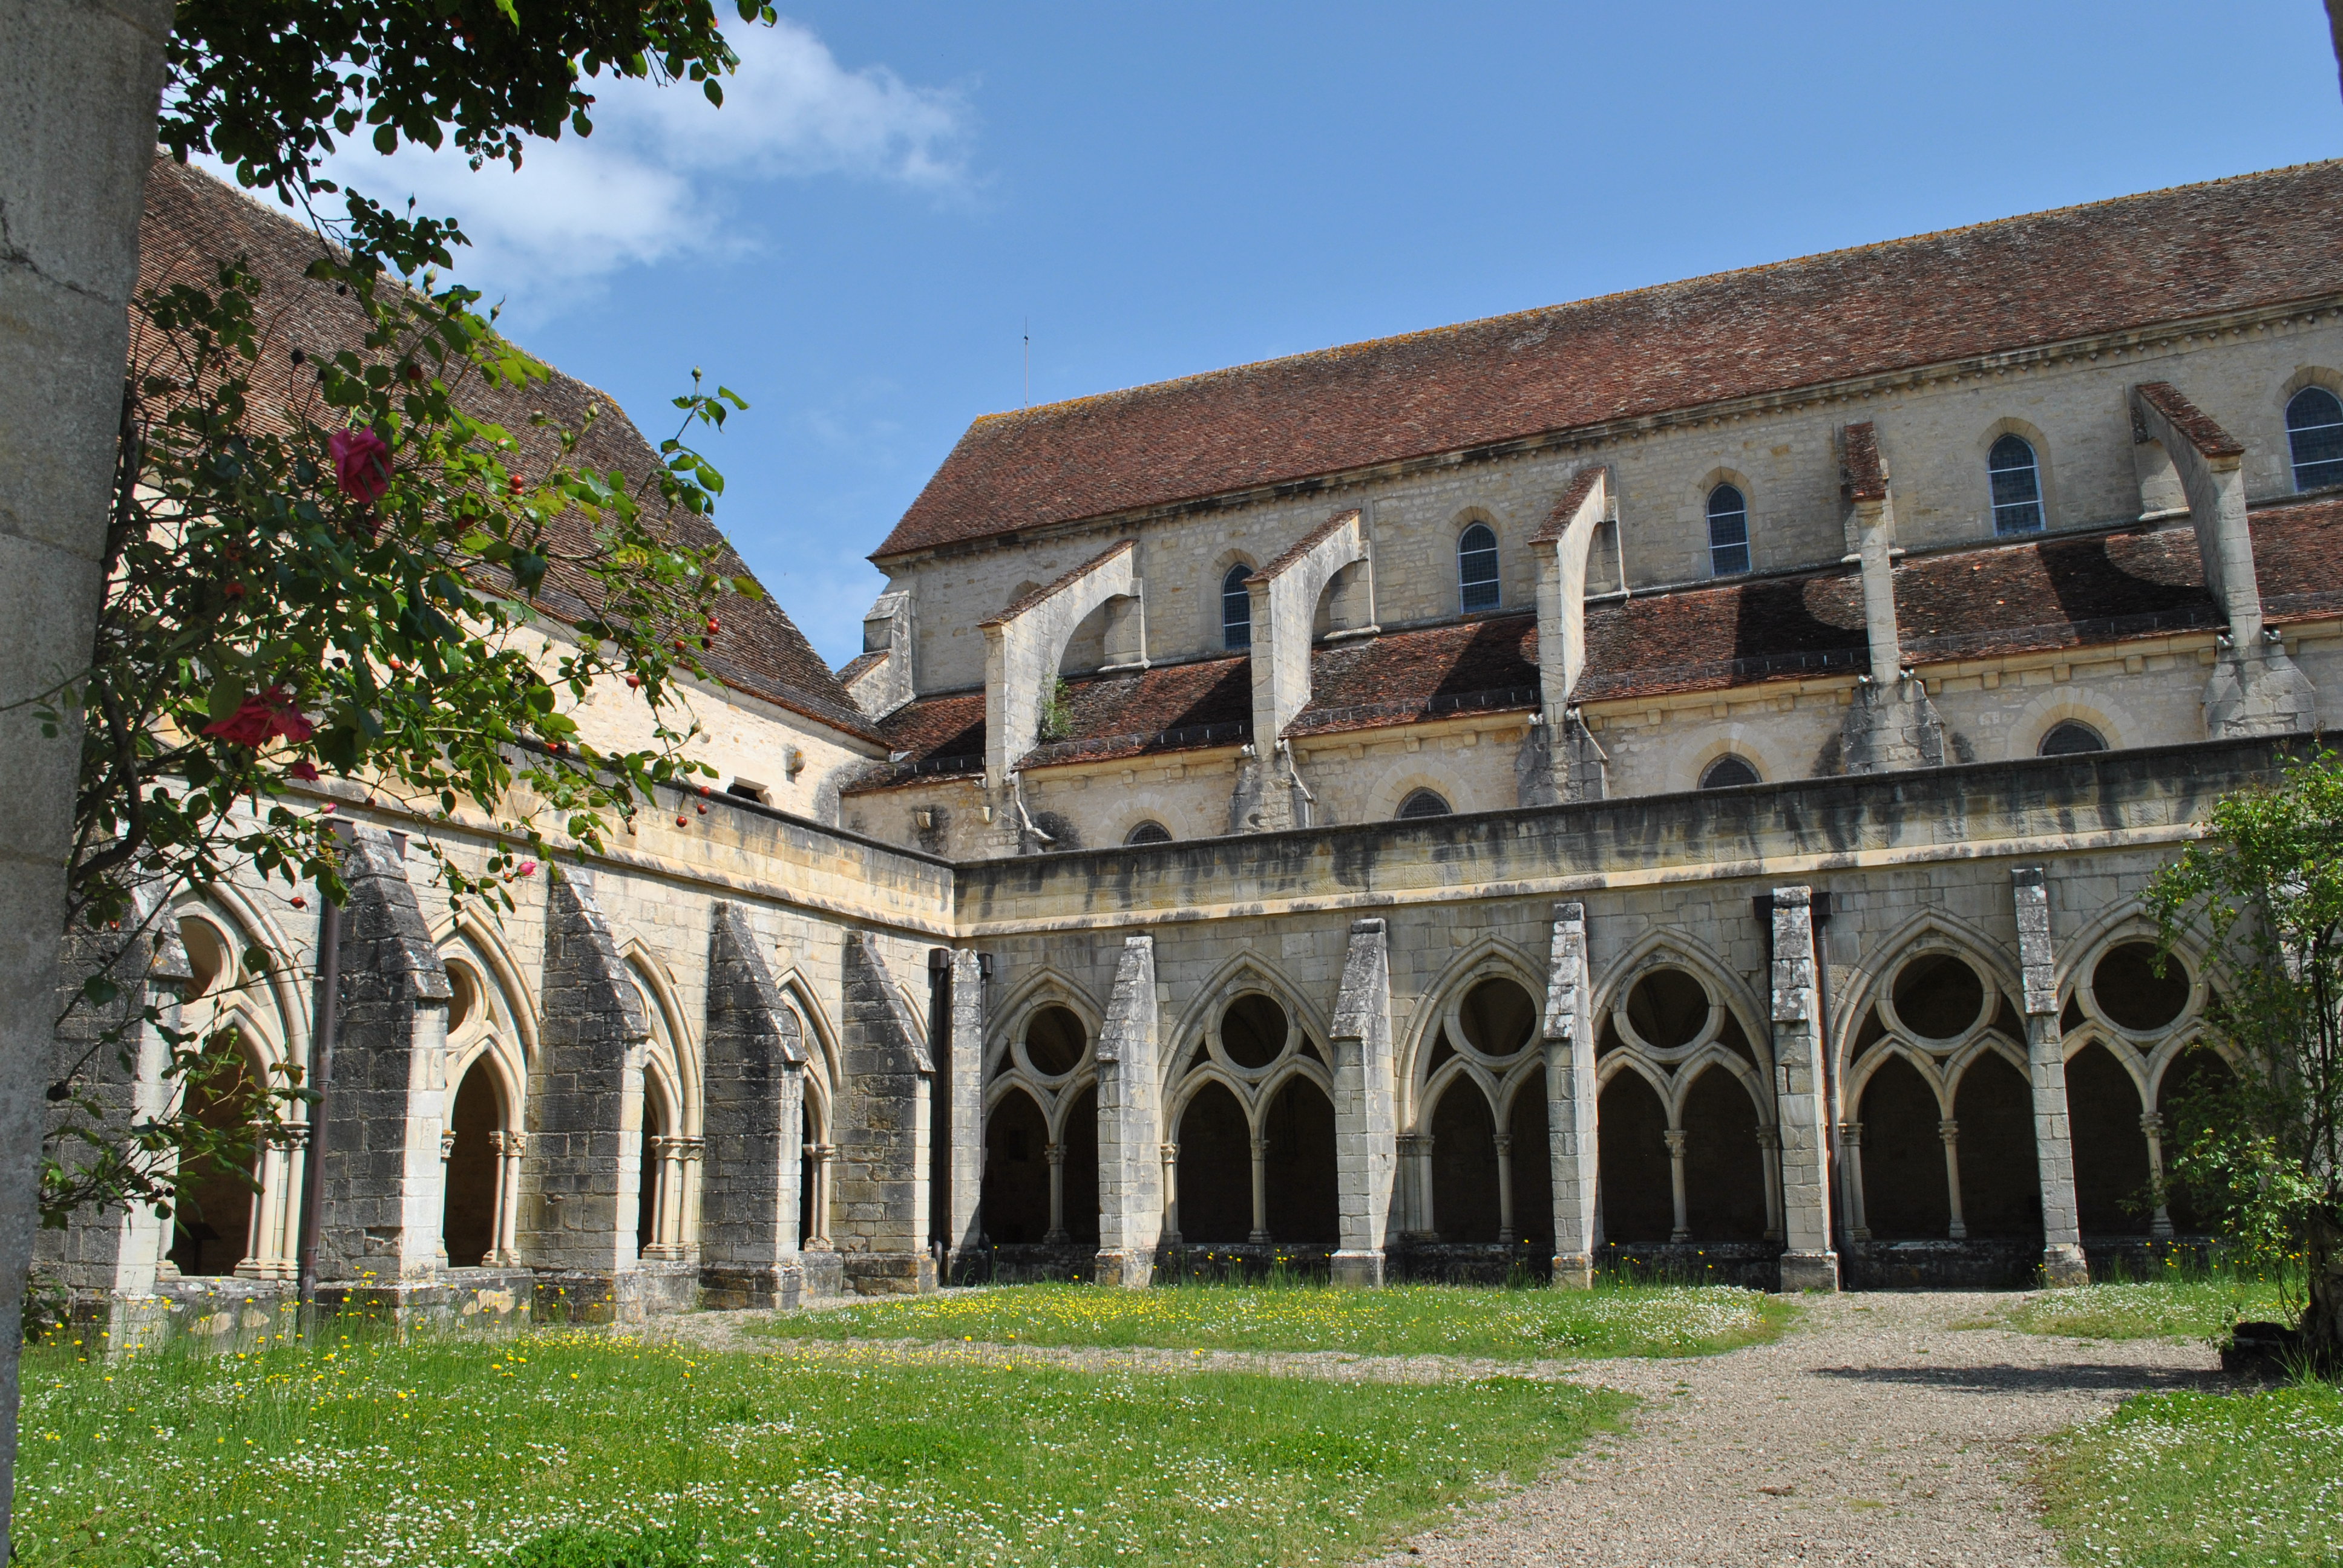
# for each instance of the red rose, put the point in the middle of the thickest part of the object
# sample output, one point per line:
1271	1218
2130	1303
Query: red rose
304	771
361	464
263	719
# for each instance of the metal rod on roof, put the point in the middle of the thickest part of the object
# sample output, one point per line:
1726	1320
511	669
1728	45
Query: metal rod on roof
1029	362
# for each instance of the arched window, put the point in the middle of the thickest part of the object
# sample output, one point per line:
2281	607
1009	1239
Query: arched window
1727	772
1236	607
1148	833
2069	738
1423	803
1477	567
1728	531
2016	487
2314	435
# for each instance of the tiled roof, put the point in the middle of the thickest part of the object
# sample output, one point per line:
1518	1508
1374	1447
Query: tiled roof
1866	475
2203	432
1698	639
1573	497
2256	240
2051	593
194	221
1405	676
2299	556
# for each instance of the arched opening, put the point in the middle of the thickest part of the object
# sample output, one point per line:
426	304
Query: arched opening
1476	567
1724	1170
1637	1191
1533	1166
1149	832
1054	1041
1299	1165
211	1231
1466	1205
1939	996
2130	993
1236	608
1667	1008
2200	1072
1016	1171
808	1230
1728	532
658	1127
2110	1149
2070	737
1498	1017
1905	1197
2313	437
1081	1198
2017	483
1215	1168
1423	803
1253	1030
1728	772
2001	1186
468	1225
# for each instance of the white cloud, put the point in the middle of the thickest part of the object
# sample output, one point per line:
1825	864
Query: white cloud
653	180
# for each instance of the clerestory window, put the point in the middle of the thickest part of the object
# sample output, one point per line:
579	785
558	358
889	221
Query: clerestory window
1728	531
2071	739
1476	567
1727	772
1236	607
2314	438
2017	480
1423	803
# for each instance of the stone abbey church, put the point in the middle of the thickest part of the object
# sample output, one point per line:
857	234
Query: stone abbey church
1664	778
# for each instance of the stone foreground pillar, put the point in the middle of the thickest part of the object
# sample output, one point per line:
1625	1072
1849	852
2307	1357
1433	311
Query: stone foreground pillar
1801	1110
879	1213
384	1189
1366	1117
582	1175
1131	1167
1571	1132
753	1090
962	1012
2045	1062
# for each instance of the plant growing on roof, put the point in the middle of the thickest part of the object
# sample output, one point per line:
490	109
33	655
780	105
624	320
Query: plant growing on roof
1057	719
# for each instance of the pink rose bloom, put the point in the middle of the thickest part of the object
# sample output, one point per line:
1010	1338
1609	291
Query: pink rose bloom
304	771
526	869
361	464
262	718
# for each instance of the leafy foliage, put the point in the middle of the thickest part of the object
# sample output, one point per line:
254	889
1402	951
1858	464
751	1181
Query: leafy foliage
2265	1150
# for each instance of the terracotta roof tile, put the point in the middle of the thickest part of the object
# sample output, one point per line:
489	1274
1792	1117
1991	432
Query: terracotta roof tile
194	221
1407	677
1698	639
2051	593
2255	240
1866	474
2193	422
1572	497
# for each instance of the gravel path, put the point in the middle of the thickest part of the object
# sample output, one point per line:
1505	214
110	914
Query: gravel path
1878	1432
1882	1430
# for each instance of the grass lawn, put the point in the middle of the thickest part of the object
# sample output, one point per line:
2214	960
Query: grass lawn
1401	1320
2192	1308
2218	1478
456	1454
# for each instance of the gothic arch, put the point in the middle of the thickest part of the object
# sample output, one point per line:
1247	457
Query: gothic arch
1678	949
1858	1078
2044	469
1929	931
1238	974
248	923
1490	958
1045	986
823	1073
1409	774
681	1052
495	954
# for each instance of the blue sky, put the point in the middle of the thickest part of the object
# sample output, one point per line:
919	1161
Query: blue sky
857	240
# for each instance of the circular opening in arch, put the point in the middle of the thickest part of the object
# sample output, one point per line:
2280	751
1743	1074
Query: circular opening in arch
1148	833
2131	994
1054	1040
1939	996
1727	772
207	955
466	1002
1252	1031
1667	1008
1498	1017
2070	737
1423	803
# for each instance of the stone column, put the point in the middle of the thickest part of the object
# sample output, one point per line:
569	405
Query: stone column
2151	1125
1801	1112
823	1155
1950	1132
687	1236
1170	1194
581	1180
385	1196
500	1143
2045	1070
1410	1200
1850	1144
106	1259
881	1128
662	1163
1136	1169
1260	1236
965	1061
1675	1138
1769	1153
753	1127
1506	1232
1366	1143
1055	1155
446	1157
1570	1098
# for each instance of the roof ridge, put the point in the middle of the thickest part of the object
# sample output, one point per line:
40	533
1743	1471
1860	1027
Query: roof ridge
1067	405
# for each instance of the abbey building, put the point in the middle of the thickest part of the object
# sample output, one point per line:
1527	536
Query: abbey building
1667	778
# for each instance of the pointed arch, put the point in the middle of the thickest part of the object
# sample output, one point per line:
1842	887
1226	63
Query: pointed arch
1717	1057
1675	947
1930	930
1242	972
683	1044
489	947
1045	986
249	925
823	1073
1491	957
1858	1078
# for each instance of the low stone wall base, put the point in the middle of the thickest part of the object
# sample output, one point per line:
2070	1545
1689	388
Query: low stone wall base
782	1286
458	1301
888	1273
1979	1264
1752	1265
